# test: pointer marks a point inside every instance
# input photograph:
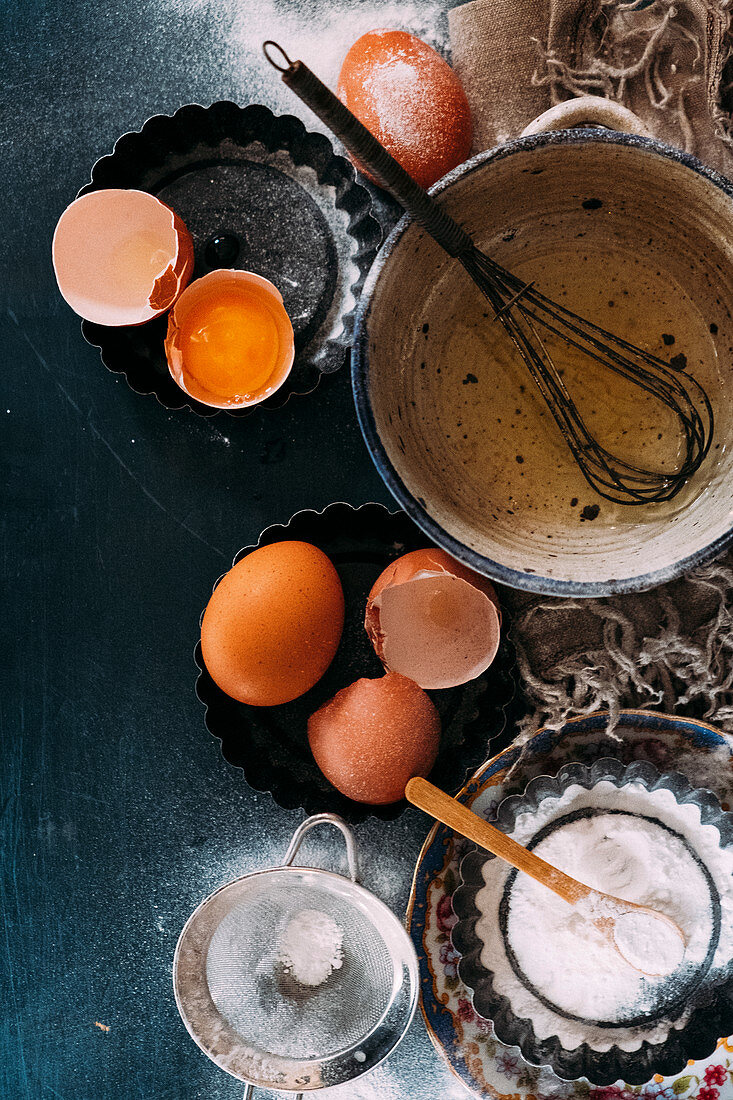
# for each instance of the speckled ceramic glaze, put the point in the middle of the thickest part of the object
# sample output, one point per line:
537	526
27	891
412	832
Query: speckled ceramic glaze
633	234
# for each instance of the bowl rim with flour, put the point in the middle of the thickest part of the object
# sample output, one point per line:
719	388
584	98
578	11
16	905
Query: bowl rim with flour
417	509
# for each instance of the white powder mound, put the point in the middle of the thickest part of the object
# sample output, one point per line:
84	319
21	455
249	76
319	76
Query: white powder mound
561	952
311	947
564	954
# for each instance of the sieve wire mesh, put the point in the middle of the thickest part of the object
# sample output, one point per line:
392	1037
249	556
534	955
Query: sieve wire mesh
268	1008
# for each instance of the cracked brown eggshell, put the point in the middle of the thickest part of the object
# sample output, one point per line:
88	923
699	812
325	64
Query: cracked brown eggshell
431	618
121	256
375	735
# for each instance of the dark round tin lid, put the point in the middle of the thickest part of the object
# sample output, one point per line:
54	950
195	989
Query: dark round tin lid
707	1001
270	744
258	192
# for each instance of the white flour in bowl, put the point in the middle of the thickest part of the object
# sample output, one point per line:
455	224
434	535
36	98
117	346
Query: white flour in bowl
563	956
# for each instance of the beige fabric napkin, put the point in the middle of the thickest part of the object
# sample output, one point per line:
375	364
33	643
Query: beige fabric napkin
671	648
494	52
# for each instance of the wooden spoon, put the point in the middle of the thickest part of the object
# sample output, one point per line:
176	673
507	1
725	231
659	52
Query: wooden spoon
648	940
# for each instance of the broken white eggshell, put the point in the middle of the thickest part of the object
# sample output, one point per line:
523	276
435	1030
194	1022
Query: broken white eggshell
431	618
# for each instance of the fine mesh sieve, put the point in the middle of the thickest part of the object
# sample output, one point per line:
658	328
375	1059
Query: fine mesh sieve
254	1013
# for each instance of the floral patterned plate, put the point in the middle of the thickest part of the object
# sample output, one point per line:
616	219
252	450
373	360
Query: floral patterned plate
465	1040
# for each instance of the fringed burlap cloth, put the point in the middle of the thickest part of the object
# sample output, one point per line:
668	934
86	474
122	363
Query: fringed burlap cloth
667	60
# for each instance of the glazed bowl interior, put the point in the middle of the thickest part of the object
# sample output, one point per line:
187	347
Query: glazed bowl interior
634	236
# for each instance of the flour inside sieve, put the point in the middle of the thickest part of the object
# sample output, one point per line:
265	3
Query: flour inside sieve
261	997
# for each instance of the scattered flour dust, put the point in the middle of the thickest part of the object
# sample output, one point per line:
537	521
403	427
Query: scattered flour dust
318	34
311	947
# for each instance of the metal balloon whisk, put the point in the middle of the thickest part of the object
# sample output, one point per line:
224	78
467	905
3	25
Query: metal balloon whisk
529	318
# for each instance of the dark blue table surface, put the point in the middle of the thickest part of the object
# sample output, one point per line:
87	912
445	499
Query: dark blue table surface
118	812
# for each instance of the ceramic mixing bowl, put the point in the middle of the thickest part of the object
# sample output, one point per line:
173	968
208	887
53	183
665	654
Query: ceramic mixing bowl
633	234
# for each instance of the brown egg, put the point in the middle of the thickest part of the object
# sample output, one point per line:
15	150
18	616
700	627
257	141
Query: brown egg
121	257
375	735
273	624
433	619
410	99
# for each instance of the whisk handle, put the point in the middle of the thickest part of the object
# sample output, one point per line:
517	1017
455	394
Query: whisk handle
371	154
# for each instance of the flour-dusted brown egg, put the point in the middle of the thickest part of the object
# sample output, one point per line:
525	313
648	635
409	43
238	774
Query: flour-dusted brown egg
375	735
273	624
410	99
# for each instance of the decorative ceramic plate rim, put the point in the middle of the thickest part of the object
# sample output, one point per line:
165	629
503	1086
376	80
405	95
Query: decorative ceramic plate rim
453	1055
699	1030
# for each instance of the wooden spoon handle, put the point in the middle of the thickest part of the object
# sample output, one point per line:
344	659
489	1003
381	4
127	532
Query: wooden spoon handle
464	821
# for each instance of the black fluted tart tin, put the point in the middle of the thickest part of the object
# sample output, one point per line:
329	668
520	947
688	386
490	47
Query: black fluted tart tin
712	1000
270	744
258	192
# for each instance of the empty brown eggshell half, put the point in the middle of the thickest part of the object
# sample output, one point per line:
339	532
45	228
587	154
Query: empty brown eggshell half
431	618
121	257
373	736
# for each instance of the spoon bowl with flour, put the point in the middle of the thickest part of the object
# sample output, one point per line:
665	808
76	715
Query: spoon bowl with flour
646	939
650	941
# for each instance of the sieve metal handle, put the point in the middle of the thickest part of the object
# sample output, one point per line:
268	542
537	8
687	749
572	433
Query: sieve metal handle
325	819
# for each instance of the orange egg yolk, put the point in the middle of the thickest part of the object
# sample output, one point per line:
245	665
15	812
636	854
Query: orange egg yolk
229	343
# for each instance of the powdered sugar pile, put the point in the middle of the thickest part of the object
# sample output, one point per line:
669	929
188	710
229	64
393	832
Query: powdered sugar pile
558	946
311	947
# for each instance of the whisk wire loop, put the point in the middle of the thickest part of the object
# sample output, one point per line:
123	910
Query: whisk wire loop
526	314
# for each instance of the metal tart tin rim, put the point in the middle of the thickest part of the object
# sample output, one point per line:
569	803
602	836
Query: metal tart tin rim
488	714
306	147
